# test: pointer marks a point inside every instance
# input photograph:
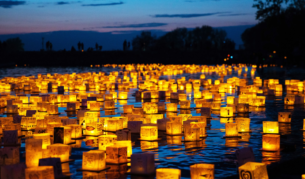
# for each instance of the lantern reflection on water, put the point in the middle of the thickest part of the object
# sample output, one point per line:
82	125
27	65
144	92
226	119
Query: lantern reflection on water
168	173
202	169
284	117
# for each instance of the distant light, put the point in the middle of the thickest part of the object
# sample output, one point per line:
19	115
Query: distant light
285	57
228	55
274	51
231	57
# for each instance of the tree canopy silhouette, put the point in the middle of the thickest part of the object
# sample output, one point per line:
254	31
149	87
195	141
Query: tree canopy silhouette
144	42
12	45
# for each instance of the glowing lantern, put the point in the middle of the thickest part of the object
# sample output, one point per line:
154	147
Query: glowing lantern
231	130
125	143
149	132
61	151
33	152
243	124
271	142
94	128
123	95
109	105
289	100
113	124
201	126
271	127
165	173
94	160
106	140
253	170
182	97
76	131
150	108
197	95
230	99
191	134
128	109
12	109
52	109
185	104
202	169
173	128
45	137
108	97
93	105
62	135
39	172
171	107
142	163
116	154
284	117
226	111
216	106
161	106
242	108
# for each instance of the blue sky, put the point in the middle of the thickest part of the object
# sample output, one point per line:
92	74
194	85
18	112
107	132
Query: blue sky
27	16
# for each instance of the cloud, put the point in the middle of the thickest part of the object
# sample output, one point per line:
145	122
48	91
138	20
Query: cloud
9	4
105	4
186	15
62	3
153	24
236	14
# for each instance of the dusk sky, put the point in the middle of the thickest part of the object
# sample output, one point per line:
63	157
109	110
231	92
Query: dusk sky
116	16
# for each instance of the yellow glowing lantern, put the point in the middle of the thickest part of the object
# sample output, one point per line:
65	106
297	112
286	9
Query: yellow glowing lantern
271	142
113	124
271	127
289	100
33	152
76	131
150	108
45	137
52	109
94	128
123	95
173	128
197	95
182	97
164	173
24	99
303	124
185	104
106	140
149	132
109	105
243	124
142	163
284	117
202	169
174	96
171	107
61	151
231	130
116	154
191	134
125	143
94	160
12	109
128	109
253	170
39	172
230	99
226	111
242	108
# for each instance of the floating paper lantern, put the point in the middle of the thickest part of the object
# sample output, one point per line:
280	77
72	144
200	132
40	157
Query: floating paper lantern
51	125
226	111
253	170
125	143
61	151
173	128
116	154
230	99
62	135
182	97
109	105
242	108
46	140
76	131
201	126
142	163
12	109
52	109
128	109
202	169
171	107
94	160
123	95
216	106
106	140
271	127
191	134
113	124
185	104
271	142
284	117
93	105
197	95
39	172
243	124
94	128
150	108
231	130
33	152
149	132
164	173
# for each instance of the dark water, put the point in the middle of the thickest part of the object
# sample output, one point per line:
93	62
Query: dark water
214	149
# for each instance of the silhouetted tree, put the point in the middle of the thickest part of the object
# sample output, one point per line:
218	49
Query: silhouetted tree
100	48
82	46
48	45
96	46
73	49
79	46
144	42
12	45
124	45
90	49
128	46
